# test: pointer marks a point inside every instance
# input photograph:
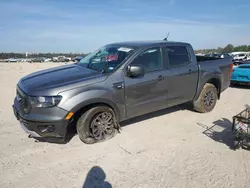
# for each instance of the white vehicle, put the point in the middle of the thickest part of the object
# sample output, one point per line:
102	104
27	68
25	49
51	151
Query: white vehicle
67	59
11	60
240	57
23	60
61	59
47	60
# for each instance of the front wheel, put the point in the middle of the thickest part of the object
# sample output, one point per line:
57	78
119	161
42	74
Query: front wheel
96	125
207	99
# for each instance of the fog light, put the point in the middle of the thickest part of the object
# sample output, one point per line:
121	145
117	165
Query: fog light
46	128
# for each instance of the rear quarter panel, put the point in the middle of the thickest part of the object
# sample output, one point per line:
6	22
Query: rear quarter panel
214	69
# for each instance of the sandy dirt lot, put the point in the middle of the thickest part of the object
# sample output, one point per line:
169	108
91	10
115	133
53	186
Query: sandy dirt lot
170	148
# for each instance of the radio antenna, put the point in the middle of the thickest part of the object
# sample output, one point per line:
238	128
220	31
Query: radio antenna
166	39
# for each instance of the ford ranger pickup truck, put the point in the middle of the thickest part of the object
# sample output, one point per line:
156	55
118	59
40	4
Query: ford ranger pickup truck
116	82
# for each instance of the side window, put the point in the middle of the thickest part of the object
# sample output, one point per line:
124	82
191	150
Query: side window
178	56
149	59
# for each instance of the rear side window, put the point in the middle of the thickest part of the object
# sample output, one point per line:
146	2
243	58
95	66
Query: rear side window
178	56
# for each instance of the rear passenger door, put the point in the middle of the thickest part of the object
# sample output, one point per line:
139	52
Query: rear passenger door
183	74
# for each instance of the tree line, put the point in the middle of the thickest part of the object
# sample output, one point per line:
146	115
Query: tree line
227	49
46	55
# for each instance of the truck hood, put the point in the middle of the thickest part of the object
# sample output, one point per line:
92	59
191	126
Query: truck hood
52	81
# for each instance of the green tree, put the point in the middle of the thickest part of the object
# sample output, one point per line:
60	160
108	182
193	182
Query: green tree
229	48
219	50
243	48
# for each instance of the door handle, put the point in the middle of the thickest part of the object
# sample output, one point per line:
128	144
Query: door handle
160	77
118	85
190	71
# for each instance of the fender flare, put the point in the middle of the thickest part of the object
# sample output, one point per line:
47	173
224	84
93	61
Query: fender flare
98	101
208	80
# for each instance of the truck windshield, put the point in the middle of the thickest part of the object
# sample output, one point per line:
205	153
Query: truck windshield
107	58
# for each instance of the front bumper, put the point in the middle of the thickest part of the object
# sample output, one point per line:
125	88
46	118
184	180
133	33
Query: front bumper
41	129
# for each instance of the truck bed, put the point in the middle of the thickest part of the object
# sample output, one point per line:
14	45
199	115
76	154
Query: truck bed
218	67
205	58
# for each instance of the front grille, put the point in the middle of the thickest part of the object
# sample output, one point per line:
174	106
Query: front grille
23	101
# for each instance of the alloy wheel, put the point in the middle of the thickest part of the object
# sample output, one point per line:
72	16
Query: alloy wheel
102	126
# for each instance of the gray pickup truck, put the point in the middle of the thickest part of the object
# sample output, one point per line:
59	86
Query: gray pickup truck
117	82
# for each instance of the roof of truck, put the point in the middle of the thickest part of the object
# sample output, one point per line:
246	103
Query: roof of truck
147	43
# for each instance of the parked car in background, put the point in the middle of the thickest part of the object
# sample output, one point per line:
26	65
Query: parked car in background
218	55
61	59
38	60
24	60
241	58
241	74
29	60
247	57
58	59
47	60
78	58
118	82
224	55
11	60
68	59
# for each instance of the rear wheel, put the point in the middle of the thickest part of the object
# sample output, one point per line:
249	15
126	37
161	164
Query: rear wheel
96	125
207	99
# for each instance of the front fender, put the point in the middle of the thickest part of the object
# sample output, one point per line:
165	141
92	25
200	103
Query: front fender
98	101
75	100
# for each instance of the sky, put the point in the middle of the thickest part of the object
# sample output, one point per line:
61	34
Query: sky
81	26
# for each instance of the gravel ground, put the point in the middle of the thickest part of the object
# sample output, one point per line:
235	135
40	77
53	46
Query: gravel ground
169	148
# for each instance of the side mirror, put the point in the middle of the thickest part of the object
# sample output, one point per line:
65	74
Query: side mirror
135	71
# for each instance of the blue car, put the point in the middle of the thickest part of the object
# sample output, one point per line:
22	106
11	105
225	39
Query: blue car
241	74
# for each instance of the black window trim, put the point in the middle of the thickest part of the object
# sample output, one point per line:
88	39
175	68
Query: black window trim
148	48
168	62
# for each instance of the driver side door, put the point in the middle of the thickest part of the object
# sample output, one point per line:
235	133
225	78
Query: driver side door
146	93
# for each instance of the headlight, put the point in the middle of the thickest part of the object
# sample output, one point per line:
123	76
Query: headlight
44	102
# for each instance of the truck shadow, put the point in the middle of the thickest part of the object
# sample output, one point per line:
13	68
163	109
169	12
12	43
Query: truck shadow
186	106
96	178
220	132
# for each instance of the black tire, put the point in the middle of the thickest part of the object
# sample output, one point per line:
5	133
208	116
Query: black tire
85	123
203	104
